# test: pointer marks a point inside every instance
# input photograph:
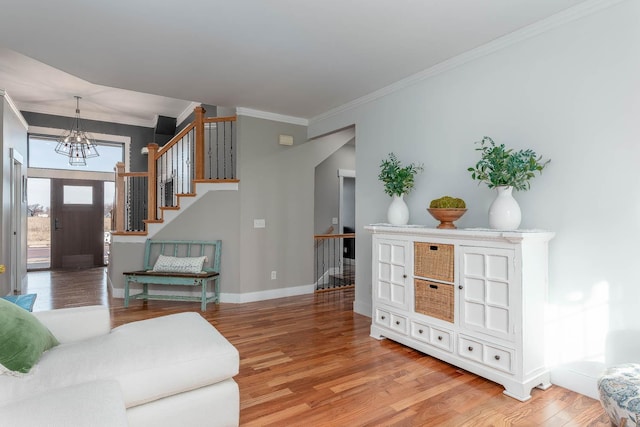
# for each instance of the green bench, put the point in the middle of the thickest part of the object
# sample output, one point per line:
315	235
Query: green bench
178	249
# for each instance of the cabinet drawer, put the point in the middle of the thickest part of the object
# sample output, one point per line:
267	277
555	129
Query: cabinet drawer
470	349
391	320
498	358
433	261
441	339
399	323
383	317
487	354
420	332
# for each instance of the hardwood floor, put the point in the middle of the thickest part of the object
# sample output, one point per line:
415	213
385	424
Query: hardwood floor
309	361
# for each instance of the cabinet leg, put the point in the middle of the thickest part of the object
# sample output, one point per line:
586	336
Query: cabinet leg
520	393
375	333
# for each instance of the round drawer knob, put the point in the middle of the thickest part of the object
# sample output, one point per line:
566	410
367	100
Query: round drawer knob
420	331
470	348
404	276
397	322
497	357
459	286
439	337
382	317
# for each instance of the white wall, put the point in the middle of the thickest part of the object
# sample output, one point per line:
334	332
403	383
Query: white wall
572	94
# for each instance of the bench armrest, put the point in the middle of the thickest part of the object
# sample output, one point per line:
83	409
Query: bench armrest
77	323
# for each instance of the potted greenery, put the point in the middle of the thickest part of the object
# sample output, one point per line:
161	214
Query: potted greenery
398	180
447	209
505	170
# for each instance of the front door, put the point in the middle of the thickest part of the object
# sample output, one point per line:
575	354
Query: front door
77	211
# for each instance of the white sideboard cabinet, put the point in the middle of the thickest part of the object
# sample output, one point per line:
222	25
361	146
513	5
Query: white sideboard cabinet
473	298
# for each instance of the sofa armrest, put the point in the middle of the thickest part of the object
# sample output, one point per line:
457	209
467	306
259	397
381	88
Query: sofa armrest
77	323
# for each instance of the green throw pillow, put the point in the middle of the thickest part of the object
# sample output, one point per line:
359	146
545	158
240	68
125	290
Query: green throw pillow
23	338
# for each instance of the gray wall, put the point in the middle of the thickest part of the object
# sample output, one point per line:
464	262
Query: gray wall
213	217
277	185
12	135
571	93
140	136
327	187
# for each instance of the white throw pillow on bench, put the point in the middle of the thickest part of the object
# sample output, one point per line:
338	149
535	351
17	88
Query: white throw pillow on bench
170	264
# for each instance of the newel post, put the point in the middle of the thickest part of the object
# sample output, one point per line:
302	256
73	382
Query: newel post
118	209
199	152
152	184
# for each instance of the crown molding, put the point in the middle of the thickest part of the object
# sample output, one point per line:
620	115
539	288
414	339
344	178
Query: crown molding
15	109
561	18
183	116
271	116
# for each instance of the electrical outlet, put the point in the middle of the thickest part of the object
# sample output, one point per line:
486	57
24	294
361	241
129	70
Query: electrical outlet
259	223
273	275
334	221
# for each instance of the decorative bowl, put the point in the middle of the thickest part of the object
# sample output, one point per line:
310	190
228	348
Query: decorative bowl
446	216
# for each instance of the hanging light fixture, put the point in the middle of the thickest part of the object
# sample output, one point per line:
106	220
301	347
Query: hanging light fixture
77	144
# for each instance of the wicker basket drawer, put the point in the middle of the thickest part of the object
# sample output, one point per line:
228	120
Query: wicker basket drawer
434	299
433	261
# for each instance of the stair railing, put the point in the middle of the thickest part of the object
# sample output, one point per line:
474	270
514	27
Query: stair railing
334	261
204	151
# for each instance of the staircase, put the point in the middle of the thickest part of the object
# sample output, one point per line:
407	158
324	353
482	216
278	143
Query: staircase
199	159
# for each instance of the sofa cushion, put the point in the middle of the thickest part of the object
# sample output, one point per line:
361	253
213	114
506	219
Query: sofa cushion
150	359
95	404
23	338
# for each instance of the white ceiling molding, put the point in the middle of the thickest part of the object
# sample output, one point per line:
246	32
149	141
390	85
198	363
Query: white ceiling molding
554	21
183	116
271	116
13	107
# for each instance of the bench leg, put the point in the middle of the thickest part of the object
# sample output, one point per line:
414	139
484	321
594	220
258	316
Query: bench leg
126	292
203	303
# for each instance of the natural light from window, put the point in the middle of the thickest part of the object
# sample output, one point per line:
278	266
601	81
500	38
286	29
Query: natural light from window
42	155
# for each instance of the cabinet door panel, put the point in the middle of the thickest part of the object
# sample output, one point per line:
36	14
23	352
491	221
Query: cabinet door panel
487	297
498	293
390	267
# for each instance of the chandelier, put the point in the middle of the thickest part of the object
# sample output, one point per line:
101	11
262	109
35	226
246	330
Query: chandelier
77	144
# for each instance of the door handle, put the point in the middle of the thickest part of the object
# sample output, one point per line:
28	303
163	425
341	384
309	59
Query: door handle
56	224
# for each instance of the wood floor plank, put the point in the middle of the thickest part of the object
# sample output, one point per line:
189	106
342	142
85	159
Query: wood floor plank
309	361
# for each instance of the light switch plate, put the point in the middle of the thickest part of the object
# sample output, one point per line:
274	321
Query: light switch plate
259	223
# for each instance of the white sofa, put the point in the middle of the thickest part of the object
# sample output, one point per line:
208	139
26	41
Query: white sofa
168	371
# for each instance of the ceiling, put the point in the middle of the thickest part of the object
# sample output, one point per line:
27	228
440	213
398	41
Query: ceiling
134	60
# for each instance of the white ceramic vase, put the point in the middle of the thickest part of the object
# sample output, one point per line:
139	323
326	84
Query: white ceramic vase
398	212
504	212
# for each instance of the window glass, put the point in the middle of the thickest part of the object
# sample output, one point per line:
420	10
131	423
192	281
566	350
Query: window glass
77	195
42	155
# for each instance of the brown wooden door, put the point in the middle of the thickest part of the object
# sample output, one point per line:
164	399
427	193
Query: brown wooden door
77	212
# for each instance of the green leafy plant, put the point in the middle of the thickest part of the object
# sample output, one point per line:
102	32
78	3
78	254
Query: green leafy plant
447	202
501	166
398	179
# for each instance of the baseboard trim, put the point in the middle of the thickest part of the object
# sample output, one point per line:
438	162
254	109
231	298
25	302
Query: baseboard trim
224	297
581	377
267	295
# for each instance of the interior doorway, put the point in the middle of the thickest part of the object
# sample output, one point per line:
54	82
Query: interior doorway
18	223
77	223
